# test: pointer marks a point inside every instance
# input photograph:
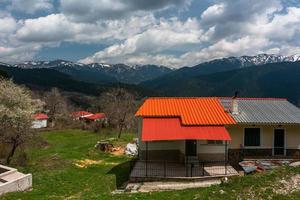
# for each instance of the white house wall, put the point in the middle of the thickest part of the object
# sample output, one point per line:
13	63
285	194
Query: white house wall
292	135
162	145
39	124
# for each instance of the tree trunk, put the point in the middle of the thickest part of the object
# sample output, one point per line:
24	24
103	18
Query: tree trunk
11	153
120	130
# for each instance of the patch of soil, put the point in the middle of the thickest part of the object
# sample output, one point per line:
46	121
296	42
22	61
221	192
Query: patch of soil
52	162
288	186
43	144
87	162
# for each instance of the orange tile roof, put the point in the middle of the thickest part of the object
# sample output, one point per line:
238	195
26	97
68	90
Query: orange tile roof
192	111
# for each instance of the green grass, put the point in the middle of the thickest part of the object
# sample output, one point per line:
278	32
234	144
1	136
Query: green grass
55	175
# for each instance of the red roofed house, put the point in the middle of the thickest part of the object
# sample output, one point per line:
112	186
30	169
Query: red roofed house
96	117
80	115
184	137
40	120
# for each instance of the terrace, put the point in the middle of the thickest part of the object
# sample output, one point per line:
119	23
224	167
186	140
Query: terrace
144	169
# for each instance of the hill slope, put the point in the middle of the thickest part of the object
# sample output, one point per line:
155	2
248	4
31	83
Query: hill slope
46	78
43	78
133	74
3	74
269	80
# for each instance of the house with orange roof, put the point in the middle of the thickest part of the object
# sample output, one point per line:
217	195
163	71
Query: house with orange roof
202	136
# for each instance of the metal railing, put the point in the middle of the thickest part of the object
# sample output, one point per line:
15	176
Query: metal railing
155	168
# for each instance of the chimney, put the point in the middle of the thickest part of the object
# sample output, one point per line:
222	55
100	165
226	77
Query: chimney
234	104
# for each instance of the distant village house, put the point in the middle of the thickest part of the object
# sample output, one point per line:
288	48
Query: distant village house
79	115
40	121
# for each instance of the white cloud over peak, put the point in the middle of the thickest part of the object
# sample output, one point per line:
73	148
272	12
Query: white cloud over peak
227	28
164	35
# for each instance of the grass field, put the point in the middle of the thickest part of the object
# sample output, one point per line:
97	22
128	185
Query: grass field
56	176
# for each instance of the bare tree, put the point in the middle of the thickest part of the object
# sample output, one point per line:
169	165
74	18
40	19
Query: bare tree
16	116
119	106
56	106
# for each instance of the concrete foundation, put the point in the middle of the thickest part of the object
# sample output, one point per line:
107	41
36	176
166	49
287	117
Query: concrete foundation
12	181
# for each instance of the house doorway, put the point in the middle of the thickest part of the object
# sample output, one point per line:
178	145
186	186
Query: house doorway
191	147
279	142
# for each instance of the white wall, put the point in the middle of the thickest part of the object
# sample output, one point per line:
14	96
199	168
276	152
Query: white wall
203	147
39	124
292	135
162	145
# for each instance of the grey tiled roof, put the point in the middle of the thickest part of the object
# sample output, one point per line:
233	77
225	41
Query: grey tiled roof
265	111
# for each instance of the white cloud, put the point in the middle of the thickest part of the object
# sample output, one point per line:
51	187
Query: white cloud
242	46
135	34
52	28
166	34
283	27
8	24
31	6
232	18
18	53
57	28
223	48
94	10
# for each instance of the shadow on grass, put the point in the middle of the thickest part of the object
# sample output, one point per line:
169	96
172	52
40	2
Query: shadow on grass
121	172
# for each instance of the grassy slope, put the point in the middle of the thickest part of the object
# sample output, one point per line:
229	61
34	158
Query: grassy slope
56	177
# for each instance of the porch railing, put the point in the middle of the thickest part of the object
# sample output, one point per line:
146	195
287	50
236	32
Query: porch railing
155	168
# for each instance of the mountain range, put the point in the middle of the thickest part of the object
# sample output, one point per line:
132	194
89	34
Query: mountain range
255	76
100	73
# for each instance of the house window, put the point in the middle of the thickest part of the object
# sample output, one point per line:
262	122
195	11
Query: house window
216	142
252	137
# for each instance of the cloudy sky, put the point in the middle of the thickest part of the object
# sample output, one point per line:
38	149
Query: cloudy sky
174	33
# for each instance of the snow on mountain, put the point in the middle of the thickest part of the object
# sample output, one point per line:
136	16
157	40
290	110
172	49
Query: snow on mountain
47	64
139	73
261	59
5	64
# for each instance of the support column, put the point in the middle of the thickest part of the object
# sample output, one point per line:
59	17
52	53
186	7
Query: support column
146	159
226	157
